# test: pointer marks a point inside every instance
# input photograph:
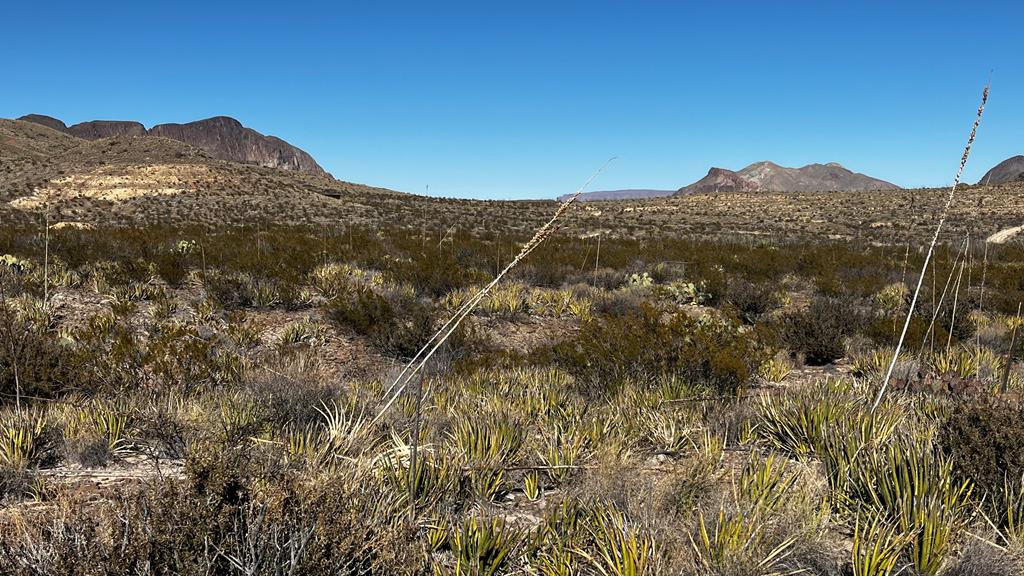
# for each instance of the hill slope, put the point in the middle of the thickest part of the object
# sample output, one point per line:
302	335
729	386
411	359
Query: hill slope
1009	170
221	136
770	177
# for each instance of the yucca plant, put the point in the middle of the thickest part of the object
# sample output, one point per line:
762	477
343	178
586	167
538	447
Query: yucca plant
1011	524
306	331
482	547
877	547
111	425
872	365
797	422
565	449
19	435
487	448
892	297
348	431
487	441
532	486
764	482
581	308
955	361
264	294
437	533
737	540
553	303
427	483
506	300
243	334
669	433
554	548
908	484
775	370
619	549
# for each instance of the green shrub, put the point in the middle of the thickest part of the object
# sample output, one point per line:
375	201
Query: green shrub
819	331
398	328
32	363
984	437
752	301
610	350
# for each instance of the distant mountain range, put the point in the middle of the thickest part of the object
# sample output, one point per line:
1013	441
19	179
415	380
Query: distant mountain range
1009	170
759	177
631	194
223	137
770	177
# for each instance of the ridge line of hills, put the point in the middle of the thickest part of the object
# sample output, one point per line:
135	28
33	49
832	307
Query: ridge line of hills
225	138
221	136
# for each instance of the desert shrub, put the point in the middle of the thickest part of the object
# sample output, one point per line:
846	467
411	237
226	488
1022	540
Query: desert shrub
618	303
227	289
172	263
399	328
237	511
609	350
752	301
603	278
984	437
818	332
32	362
437	275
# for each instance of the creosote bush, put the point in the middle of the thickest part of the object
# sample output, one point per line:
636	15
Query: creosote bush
398	328
709	354
819	332
984	437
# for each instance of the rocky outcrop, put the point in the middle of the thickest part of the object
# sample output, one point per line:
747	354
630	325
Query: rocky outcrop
227	139
96	129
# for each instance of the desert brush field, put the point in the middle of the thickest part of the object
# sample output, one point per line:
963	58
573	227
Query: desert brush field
193	400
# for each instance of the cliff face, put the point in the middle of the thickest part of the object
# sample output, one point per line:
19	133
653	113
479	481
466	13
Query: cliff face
220	136
97	129
227	139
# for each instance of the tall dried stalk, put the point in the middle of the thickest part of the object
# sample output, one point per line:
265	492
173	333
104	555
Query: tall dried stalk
1009	353
416	364
929	335
981	300
931	248
956	299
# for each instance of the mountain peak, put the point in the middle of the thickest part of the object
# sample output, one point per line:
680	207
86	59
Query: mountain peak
44	120
1009	170
767	176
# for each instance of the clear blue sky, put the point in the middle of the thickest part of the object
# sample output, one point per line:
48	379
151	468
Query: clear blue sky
526	100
